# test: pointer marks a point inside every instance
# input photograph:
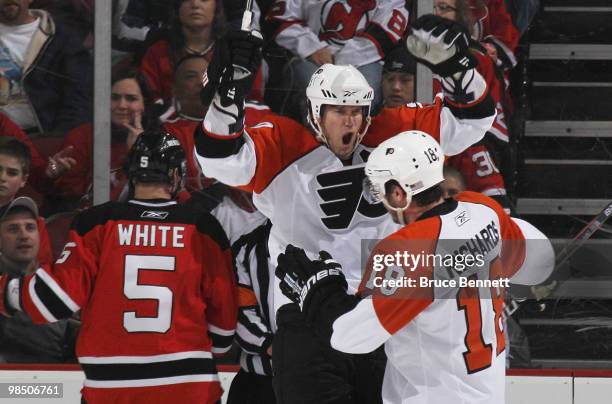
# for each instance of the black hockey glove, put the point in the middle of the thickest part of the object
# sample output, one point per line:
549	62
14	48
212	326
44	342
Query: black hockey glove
308	282
441	44
232	70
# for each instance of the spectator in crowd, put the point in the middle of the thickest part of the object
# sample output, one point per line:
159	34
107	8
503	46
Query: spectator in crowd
358	33
137	21
15	160
76	15
398	78
21	340
522	12
45	73
494	28
453	183
186	111
43	170
196	24
132	111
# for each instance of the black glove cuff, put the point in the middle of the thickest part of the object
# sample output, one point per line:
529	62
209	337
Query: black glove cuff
325	281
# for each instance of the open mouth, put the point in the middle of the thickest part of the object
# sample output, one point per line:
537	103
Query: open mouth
346	139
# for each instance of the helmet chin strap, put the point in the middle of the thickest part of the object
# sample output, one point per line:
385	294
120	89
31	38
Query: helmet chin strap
399	212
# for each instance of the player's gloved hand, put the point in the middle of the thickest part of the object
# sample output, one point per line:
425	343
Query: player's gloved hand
304	280
441	44
232	70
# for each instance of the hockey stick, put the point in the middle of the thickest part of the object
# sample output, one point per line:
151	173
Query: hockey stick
570	248
247	17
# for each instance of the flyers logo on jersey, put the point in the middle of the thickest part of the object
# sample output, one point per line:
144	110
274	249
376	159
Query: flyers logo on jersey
341	195
342	19
151	214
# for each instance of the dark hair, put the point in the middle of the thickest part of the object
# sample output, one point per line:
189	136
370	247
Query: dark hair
399	60
424	198
185	58
10	146
176	37
152	111
428	196
451	172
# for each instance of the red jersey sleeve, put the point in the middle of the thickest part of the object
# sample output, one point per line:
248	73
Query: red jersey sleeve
56	292
157	68
219	288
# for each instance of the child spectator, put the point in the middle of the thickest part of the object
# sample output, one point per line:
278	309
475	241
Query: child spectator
42	170
15	159
398	79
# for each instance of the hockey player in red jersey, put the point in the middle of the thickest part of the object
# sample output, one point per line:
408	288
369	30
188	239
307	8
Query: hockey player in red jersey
309	184
154	283
443	343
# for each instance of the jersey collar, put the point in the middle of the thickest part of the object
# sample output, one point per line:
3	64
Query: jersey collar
152	202
444	208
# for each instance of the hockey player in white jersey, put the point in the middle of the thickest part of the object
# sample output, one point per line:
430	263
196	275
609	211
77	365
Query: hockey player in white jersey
444	344
309	186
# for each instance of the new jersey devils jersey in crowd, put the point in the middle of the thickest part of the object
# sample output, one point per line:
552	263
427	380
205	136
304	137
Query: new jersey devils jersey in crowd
444	343
495	26
157	294
358	32
312	199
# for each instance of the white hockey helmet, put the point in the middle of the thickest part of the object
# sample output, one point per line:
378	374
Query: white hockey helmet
338	85
413	158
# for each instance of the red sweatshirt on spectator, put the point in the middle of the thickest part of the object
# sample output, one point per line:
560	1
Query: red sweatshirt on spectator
77	181
496	27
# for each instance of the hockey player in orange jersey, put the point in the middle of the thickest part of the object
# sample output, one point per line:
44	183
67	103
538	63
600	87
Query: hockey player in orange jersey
444	342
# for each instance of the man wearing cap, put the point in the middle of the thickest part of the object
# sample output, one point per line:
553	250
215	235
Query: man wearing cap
398	78
20	339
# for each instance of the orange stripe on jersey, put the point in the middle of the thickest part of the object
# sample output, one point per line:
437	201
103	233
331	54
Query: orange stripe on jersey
395	310
513	241
246	297
276	148
391	121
